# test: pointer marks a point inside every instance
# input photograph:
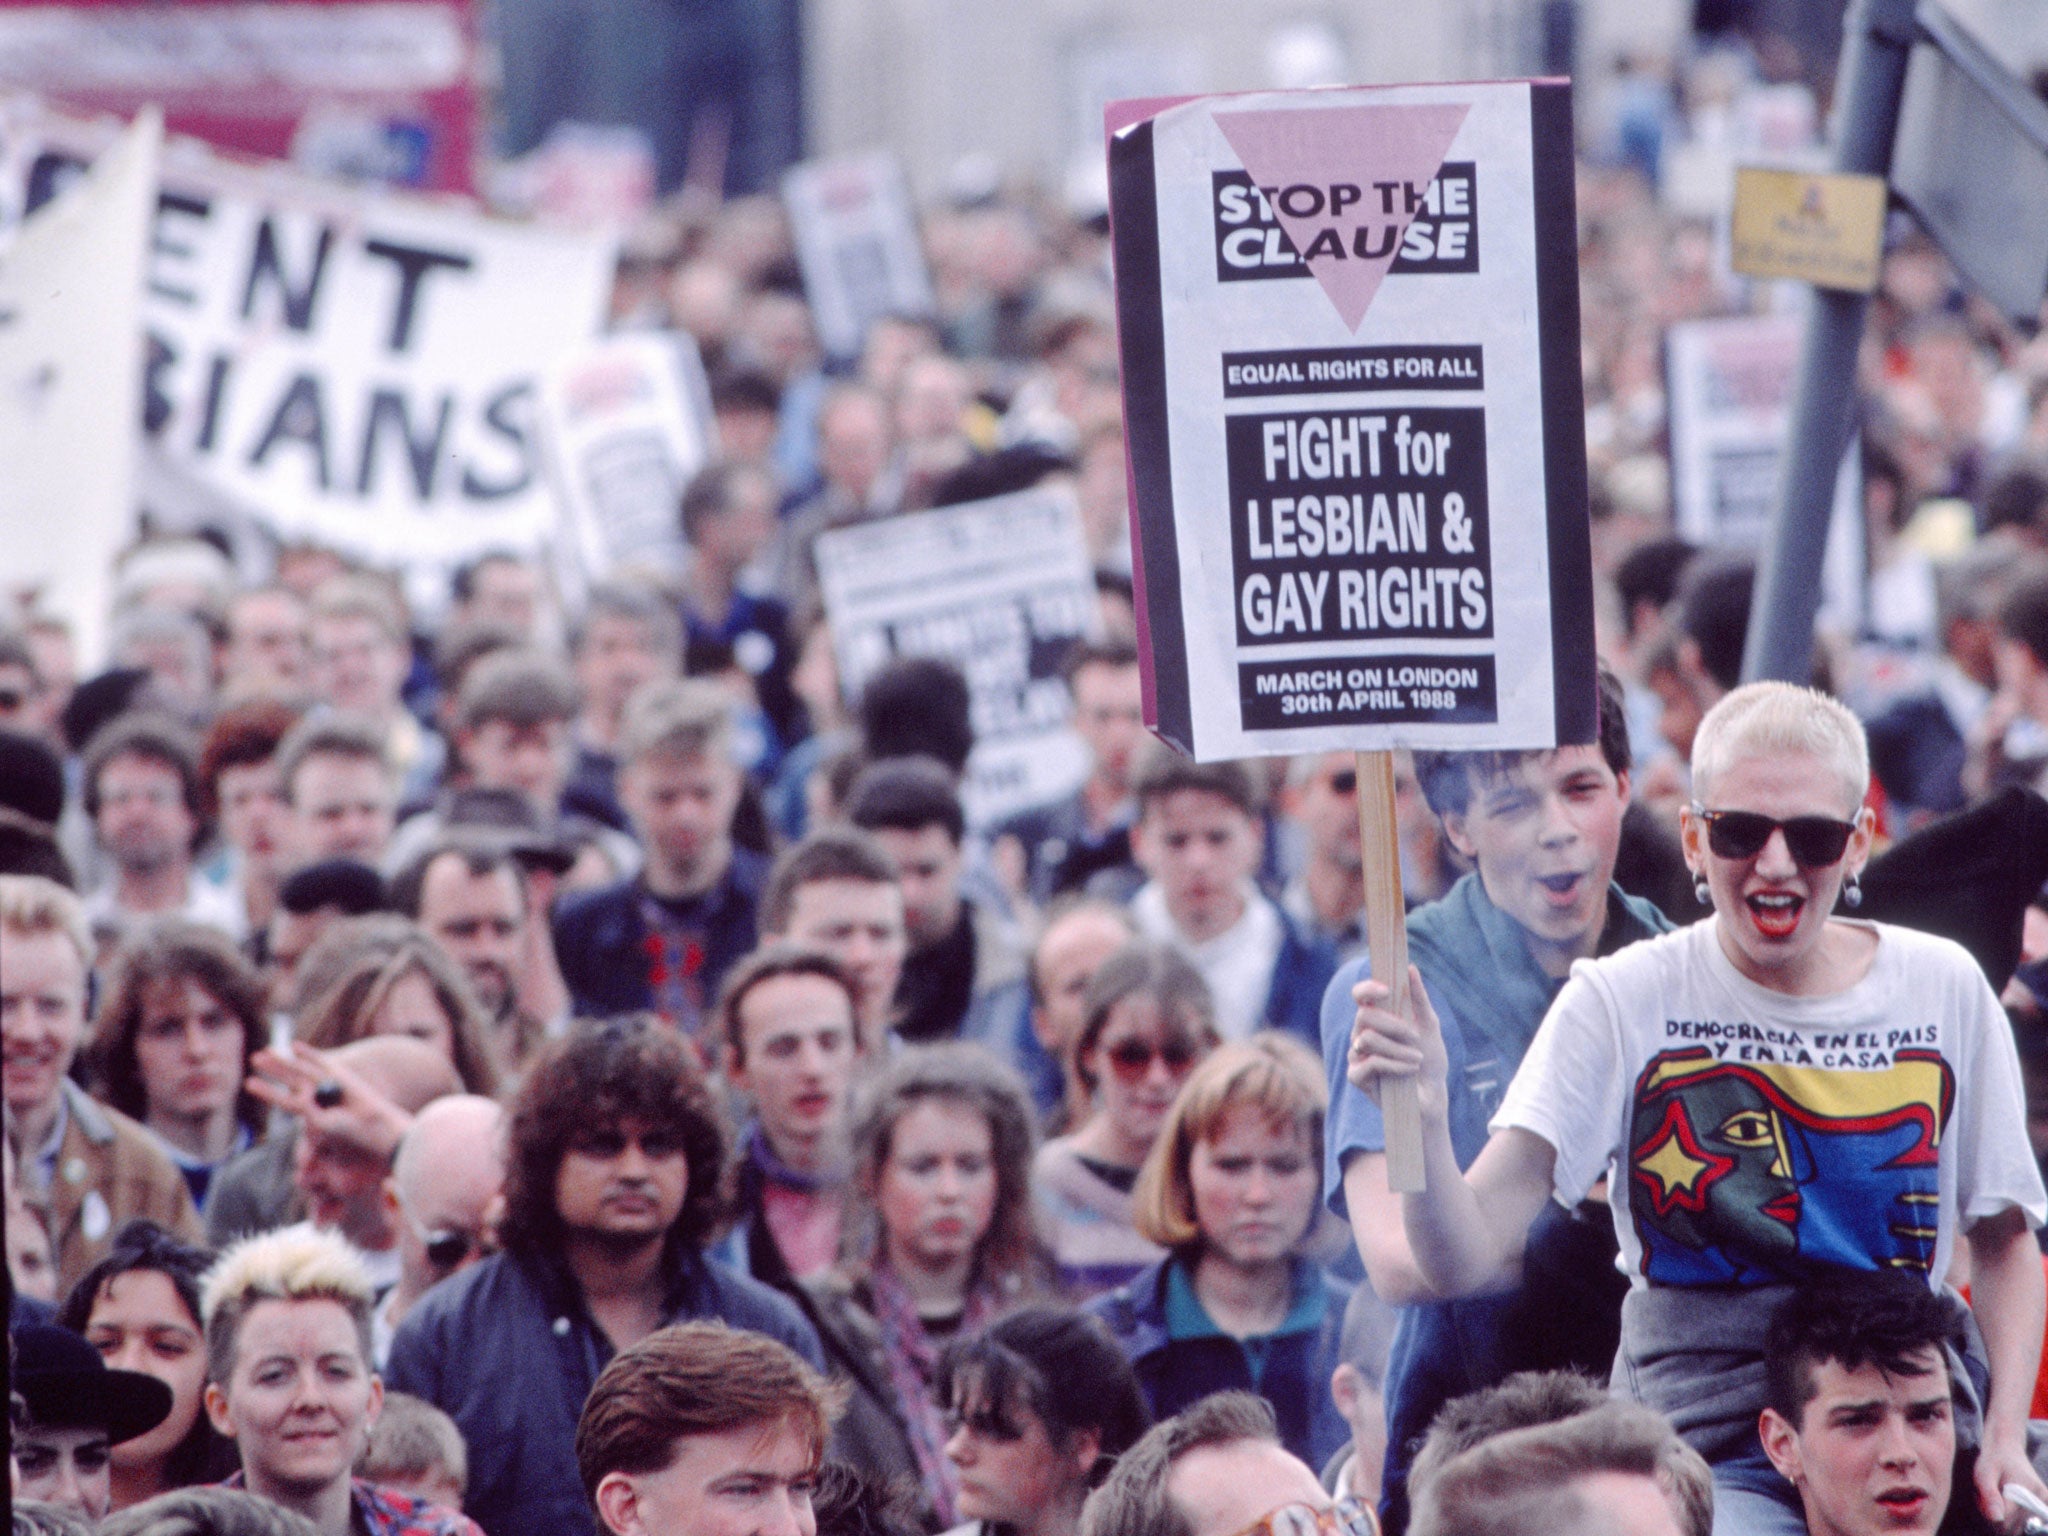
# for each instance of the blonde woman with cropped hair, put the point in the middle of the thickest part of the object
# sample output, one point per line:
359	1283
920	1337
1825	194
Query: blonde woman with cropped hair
1231	1191
1776	1089
287	1319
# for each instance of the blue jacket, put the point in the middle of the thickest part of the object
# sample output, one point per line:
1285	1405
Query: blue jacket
1301	973
601	939
1176	1373
508	1350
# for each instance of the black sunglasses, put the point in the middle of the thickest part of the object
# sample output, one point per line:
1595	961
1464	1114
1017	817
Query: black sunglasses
1814	841
446	1249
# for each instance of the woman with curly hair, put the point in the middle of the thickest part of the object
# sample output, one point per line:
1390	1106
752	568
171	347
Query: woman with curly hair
398	981
172	1042
939	1243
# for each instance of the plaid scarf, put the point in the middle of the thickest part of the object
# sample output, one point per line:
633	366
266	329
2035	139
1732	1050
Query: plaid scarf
913	1359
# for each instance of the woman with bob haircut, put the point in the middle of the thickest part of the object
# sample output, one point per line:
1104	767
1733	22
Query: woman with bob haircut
1146	1021
403	983
938	1243
1231	1191
172	1042
139	1307
1770	1090
290	1383
1041	1404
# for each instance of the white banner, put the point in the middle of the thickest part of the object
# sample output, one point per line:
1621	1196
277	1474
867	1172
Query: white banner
1001	589
70	302
348	367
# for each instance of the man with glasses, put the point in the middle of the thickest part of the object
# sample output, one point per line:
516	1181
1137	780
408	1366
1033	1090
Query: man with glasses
615	1153
1218	1469
1327	894
1542	830
443	1193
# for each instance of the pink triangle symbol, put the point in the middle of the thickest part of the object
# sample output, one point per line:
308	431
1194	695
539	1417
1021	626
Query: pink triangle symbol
1359	149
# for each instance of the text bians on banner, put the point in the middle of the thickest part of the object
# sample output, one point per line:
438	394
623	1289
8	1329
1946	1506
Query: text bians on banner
1349	523
1365	223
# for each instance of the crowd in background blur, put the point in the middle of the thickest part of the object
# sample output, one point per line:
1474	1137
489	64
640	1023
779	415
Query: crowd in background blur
417	1010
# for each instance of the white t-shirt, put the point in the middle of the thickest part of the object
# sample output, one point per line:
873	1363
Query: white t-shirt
1746	1133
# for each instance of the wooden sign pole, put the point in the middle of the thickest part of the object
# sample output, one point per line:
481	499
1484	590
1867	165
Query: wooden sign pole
1386	938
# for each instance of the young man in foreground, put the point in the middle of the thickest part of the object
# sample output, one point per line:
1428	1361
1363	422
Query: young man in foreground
1860	1420
704	1430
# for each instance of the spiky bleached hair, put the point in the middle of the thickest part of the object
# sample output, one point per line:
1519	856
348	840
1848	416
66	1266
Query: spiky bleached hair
299	1263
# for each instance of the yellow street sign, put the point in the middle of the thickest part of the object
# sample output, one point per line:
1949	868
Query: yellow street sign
1825	228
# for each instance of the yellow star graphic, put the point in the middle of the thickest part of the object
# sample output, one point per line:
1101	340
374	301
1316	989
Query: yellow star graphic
1674	1168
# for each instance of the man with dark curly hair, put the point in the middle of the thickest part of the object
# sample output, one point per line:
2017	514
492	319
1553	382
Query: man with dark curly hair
612	1184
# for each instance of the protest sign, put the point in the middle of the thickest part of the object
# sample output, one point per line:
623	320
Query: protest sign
70	302
1001	588
381	90
627	422
348	367
1729	384
857	243
1349	323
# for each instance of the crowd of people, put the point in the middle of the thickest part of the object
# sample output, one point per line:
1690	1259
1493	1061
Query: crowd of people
559	1065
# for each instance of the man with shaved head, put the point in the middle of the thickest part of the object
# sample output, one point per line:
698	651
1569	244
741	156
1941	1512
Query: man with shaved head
443	1195
354	1104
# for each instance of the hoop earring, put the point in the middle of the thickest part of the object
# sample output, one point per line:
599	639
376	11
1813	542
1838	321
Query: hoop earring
1705	897
1852	891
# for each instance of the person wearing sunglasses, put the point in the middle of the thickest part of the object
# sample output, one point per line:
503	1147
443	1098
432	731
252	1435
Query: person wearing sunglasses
1770	1091
1230	1191
1147	1021
443	1195
1040	1405
1218	1469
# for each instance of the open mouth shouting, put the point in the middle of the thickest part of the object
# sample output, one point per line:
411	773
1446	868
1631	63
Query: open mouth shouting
1775	913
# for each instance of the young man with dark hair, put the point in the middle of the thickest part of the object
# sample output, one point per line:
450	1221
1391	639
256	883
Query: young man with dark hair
1543	830
612	1184
663	939
790	1047
837	891
1860	1420
142	793
964	976
1065	842
1199	838
701	1430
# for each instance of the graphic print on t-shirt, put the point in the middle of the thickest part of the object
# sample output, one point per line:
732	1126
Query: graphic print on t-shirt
1747	1172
